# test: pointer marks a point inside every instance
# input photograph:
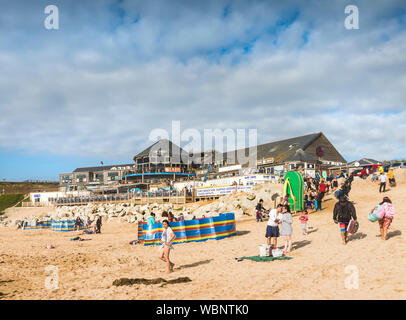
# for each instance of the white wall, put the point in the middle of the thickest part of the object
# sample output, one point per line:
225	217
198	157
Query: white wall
44	196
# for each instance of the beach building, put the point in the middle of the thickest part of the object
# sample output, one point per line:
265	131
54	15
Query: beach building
162	162
165	163
88	178
357	165
306	153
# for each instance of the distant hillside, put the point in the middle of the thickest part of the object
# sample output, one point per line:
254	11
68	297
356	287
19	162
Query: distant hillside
27	187
9	200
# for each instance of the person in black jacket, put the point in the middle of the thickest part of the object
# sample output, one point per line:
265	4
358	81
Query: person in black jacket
98	224
344	211
259	210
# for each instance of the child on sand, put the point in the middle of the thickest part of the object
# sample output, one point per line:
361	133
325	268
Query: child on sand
167	238
286	228
386	221
304	217
259	209
308	203
344	211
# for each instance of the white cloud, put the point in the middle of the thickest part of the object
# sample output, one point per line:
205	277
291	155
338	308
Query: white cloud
102	90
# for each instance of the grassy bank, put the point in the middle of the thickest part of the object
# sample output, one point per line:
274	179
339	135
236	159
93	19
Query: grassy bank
9	200
27	187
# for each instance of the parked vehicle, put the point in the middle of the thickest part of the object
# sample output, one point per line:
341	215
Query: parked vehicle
365	171
398	165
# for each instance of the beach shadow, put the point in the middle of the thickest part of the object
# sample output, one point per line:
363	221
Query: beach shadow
241	233
6	281
357	236
393	234
300	244
312	230
195	264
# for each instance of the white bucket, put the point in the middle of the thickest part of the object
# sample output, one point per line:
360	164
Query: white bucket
264	250
277	253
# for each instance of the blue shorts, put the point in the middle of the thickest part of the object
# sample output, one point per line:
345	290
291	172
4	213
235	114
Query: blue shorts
272	232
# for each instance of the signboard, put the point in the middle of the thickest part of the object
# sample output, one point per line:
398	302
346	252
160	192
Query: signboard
173	170
37	196
221	190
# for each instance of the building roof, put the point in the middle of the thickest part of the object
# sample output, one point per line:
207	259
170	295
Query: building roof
101	168
283	150
363	162
301	156
165	147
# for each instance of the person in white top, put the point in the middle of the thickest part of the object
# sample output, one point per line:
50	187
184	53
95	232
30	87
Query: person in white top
167	238
272	228
382	178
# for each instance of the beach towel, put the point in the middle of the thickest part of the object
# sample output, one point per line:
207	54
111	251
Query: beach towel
378	213
263	259
372	217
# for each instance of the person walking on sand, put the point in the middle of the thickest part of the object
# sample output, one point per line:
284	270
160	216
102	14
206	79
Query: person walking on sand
303	218
98	224
391	178
272	228
322	192
382	178
286	228
387	219
344	211
78	223
167	238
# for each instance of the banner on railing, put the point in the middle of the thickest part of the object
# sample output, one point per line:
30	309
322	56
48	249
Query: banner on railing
220	190
203	229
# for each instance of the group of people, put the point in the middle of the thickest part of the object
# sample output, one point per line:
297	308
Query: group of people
166	215
344	212
282	216
316	189
89	225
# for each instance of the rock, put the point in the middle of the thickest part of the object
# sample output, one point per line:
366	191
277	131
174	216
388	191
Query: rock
251	196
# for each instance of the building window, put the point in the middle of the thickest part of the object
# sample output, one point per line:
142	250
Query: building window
111	176
81	178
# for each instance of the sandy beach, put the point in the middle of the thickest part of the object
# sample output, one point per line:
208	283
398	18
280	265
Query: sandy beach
87	269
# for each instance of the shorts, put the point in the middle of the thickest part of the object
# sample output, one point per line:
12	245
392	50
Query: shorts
343	226
272	232
385	222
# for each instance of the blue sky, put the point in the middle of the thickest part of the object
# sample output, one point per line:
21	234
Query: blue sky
115	70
